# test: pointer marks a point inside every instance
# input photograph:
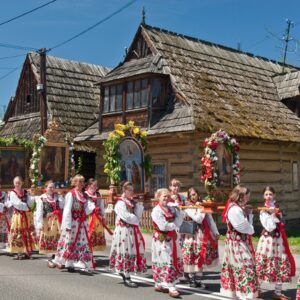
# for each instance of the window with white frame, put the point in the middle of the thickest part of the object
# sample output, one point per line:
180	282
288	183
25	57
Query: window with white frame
159	176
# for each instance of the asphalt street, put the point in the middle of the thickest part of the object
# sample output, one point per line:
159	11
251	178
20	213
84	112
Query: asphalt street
32	279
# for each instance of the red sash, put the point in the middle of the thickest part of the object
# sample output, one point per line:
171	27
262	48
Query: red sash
96	216
206	237
24	219
291	259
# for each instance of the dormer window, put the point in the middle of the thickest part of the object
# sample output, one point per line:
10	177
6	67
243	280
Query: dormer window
138	94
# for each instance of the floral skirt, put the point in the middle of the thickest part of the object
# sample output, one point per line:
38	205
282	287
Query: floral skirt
3	227
97	235
72	253
22	237
123	253
192	254
298	289
238	277
272	264
50	235
163	268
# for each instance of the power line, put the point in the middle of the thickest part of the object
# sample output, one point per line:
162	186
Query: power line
13	56
27	12
7	74
18	47
93	26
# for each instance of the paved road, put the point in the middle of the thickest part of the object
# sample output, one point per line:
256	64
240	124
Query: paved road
31	279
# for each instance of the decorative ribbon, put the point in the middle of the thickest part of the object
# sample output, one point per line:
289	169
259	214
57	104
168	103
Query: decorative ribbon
137	232
27	230
225	211
207	236
57	213
291	259
96	216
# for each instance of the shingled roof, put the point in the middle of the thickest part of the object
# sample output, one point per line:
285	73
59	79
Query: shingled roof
221	87
72	97
288	84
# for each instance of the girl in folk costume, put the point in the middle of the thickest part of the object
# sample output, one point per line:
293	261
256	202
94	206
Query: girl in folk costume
167	264
202	248
175	198
274	261
4	218
48	220
238	277
22	237
128	245
97	218
74	249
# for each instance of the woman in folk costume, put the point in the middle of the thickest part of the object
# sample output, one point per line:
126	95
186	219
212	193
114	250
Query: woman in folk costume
4	218
48	220
74	249
176	198
22	236
238	277
128	245
167	264
202	248
97	218
274	261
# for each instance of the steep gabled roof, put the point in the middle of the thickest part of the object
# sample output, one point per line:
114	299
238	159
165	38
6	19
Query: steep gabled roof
220	87
288	85
226	88
72	96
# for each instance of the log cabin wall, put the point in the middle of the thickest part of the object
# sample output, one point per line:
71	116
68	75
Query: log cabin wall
262	163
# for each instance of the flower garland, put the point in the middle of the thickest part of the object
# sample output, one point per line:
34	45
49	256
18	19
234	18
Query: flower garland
112	157
209	161
38	143
13	141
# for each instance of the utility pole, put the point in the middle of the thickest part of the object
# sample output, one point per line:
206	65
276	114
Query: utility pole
41	87
286	40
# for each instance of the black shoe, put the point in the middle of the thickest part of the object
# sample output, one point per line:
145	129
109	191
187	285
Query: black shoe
197	284
71	269
128	282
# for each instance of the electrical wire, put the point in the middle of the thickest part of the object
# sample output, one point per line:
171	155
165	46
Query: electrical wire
18	47
27	12
93	26
13	56
10	72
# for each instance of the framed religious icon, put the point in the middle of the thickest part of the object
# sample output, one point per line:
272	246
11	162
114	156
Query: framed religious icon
13	162
224	166
54	162
132	159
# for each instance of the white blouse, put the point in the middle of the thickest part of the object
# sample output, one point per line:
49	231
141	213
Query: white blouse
159	219
16	202
125	215
239	221
67	214
39	214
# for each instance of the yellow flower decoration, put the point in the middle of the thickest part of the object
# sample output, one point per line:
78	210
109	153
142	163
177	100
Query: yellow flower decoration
119	127
120	133
106	170
112	135
136	130
131	123
144	133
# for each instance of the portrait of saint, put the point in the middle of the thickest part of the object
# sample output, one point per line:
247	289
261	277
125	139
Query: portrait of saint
131	163
224	166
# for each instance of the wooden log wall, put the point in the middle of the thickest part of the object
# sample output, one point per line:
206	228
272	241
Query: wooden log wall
263	163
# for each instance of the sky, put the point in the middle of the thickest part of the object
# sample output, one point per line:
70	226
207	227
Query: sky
256	26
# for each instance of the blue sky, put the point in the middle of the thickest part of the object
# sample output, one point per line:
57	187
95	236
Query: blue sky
258	25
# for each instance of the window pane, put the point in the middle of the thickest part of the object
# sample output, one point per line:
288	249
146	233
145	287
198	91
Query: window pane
137	94
144	93
158	178
129	100
156	90
119	97
112	98
106	100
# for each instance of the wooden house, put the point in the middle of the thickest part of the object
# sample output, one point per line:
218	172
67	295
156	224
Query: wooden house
181	89
54	89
